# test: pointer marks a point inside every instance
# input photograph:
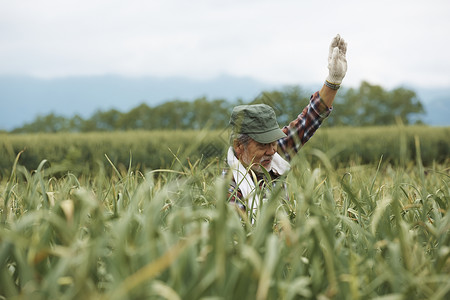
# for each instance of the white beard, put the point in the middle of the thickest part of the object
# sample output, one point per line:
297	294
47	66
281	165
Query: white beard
257	166
245	179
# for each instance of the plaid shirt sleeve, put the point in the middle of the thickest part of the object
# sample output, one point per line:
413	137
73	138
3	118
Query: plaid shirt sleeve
234	194
300	130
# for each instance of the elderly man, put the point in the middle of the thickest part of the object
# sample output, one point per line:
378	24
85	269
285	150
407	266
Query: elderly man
257	140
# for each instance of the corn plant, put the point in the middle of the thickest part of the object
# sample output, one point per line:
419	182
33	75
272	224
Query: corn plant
360	232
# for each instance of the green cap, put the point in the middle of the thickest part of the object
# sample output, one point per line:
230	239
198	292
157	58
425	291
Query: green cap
257	121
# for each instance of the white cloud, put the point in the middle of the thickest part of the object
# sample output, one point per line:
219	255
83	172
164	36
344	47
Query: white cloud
390	42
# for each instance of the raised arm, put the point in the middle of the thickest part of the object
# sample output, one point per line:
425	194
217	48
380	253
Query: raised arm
337	68
300	130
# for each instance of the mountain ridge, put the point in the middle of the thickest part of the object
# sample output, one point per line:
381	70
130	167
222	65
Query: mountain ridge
24	98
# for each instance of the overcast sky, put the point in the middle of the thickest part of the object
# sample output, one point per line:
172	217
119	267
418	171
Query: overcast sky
390	42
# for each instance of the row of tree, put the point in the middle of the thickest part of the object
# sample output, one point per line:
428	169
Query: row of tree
364	106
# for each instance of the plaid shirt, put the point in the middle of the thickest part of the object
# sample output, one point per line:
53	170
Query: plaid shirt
298	132
303	128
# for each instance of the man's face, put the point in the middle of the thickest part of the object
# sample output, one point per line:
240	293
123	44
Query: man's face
257	155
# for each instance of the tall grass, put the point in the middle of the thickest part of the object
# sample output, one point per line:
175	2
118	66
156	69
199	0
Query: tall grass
82	153
360	232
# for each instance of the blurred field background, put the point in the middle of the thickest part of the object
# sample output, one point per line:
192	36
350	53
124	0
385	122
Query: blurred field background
148	150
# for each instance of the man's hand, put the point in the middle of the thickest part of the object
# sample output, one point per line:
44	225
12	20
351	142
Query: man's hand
337	66
337	63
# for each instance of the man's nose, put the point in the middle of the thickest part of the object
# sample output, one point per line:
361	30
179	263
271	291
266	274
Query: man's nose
271	149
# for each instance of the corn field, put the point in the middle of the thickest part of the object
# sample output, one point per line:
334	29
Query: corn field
374	231
81	153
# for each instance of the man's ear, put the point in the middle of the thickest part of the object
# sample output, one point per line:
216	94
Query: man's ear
238	148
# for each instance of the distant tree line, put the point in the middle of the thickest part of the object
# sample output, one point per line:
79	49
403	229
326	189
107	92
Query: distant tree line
367	105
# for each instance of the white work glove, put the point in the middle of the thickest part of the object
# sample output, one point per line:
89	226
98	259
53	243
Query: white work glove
337	63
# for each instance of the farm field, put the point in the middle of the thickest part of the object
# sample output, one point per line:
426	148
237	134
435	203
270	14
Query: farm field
83	153
118	216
